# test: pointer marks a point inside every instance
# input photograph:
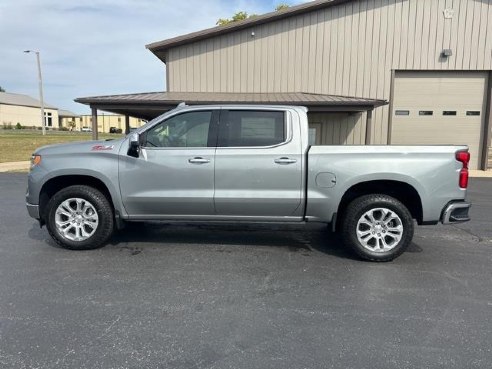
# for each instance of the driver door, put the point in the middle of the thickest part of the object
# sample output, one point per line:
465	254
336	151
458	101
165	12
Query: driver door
174	173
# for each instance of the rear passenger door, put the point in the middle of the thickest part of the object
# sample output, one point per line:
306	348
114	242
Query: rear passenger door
258	164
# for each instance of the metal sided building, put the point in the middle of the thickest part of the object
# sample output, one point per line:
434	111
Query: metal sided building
371	71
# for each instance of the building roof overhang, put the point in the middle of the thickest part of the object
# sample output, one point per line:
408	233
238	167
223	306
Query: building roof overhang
152	104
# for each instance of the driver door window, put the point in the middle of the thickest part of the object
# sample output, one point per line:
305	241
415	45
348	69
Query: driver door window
183	130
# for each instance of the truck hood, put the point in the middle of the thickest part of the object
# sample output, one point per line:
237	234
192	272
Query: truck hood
81	147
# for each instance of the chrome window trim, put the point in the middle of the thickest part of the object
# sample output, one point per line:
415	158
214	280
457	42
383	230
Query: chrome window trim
179	110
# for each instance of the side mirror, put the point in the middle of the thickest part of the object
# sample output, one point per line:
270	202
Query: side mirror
134	146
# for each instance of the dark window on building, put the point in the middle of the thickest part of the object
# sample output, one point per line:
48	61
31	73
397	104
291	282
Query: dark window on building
119	119
80	119
426	112
449	112
473	113
48	119
243	128
402	112
183	130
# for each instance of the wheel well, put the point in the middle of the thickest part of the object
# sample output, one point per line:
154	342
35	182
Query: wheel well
401	191
54	185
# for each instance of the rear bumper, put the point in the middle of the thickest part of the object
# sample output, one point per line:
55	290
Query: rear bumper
33	210
456	212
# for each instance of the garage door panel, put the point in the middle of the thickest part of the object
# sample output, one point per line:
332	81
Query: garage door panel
440	92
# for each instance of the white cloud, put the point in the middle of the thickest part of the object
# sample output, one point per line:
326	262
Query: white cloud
97	47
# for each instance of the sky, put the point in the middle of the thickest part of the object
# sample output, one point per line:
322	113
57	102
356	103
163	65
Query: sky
91	48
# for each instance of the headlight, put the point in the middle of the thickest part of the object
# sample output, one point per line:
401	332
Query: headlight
35	160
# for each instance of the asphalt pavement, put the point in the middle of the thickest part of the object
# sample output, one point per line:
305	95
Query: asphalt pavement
216	296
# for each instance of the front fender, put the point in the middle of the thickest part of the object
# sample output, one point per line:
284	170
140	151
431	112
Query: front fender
103	166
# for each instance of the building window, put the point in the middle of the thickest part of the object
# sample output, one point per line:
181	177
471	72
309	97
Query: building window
80	119
402	112
449	112
426	112
48	119
119	119
473	113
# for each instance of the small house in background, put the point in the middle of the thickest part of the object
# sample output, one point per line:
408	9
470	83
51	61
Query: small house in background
23	111
26	111
67	119
107	123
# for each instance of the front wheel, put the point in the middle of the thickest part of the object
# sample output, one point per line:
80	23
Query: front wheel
80	218
377	227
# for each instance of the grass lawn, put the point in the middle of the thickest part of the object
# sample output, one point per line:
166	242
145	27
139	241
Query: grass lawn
18	145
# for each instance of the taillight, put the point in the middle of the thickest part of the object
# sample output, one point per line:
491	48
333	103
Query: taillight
464	158
464	178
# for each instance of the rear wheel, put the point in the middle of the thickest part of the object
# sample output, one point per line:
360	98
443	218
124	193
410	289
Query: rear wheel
80	218
377	227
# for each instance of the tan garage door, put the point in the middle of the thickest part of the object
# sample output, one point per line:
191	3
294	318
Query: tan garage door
440	108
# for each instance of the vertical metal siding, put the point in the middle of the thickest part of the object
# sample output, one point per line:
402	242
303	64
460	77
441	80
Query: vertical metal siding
348	49
338	128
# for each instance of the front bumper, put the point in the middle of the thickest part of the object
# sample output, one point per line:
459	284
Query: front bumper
456	212
33	210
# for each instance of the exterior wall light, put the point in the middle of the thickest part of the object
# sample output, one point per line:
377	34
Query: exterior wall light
446	53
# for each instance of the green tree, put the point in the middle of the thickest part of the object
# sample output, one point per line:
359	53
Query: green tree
281	7
239	16
2	89
242	15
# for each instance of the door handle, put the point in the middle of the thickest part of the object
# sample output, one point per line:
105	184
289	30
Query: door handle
198	160
285	161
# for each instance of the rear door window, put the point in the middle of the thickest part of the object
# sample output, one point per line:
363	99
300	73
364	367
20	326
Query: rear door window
251	128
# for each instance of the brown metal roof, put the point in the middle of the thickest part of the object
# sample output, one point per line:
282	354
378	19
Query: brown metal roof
159	47
151	104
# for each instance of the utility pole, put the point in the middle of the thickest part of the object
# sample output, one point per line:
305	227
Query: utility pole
41	98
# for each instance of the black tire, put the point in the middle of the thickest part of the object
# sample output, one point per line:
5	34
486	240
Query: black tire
356	210
104	211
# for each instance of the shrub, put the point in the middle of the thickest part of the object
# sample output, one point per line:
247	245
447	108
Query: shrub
7	125
18	126
63	129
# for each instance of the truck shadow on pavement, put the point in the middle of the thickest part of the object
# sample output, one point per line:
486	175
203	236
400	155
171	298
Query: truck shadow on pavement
301	239
305	240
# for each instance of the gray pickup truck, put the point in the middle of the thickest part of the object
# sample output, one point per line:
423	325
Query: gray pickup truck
245	164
